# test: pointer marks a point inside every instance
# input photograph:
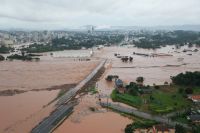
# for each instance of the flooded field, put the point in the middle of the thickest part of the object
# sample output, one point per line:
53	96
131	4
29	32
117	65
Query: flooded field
88	116
154	69
43	74
21	112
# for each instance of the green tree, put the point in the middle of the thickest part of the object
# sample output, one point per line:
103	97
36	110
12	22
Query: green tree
140	79
2	58
129	129
180	129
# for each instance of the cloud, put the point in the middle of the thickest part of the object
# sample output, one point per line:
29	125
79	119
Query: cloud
65	13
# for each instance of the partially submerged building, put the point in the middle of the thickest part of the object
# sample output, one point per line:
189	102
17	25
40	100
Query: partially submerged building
119	86
161	128
194	98
194	118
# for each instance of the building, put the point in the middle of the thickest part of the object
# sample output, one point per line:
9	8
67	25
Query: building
194	98
119	83
119	86
7	42
194	118
149	130
162	128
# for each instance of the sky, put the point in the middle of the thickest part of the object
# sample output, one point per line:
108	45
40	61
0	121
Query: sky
58	14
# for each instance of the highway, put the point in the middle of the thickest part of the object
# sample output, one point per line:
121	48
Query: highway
49	123
72	92
64	108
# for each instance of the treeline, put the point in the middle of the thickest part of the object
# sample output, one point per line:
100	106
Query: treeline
2	58
39	48
158	40
4	49
75	42
188	79
22	57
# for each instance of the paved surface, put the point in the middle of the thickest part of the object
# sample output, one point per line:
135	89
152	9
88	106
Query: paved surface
64	108
145	115
48	124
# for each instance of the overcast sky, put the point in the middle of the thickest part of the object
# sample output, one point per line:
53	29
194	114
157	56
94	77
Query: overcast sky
52	14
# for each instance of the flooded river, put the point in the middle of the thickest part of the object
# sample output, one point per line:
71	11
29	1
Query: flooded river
154	69
27	109
107	122
19	113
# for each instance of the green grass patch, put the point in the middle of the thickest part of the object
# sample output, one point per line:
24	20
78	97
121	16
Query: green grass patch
134	101
166	102
196	90
93	90
166	99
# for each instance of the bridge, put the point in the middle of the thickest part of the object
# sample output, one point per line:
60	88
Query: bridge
64	107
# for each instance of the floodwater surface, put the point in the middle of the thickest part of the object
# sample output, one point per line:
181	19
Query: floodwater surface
107	122
21	112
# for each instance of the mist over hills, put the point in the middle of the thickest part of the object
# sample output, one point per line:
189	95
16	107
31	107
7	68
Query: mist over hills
111	28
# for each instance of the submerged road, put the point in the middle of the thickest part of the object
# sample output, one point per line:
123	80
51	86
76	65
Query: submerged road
64	108
141	114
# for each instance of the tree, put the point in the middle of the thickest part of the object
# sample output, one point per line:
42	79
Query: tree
133	91
130	59
109	78
140	79
166	83
4	49
180	90
157	87
195	129
124	59
179	129
188	90
2	58
23	53
188	79
129	129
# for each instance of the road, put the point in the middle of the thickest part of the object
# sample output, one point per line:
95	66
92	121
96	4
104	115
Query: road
141	114
72	92
49	123
64	108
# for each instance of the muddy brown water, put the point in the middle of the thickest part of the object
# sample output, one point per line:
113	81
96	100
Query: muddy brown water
108	122
155	70
21	112
53	72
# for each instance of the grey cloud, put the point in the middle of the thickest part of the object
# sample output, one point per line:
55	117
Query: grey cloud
99	12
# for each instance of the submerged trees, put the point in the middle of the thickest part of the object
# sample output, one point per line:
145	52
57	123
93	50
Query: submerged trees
188	79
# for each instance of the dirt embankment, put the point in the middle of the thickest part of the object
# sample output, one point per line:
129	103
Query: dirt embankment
10	92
